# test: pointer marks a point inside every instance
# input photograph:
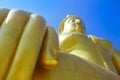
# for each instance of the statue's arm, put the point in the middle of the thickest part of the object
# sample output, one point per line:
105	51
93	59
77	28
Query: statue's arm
115	54
116	60
102	43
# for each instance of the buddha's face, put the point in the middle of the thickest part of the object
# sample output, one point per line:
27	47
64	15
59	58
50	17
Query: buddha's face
73	24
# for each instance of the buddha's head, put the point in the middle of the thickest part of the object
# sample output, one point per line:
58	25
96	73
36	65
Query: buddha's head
71	23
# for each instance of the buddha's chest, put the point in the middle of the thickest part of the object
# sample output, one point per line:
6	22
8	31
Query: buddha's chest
76	42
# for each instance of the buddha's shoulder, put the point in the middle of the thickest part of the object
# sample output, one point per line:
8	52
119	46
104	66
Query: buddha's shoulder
103	42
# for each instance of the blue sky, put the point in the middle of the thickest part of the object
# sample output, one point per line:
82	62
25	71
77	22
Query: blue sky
101	17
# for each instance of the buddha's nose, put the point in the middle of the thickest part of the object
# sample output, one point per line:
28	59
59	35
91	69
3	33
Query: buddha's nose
78	22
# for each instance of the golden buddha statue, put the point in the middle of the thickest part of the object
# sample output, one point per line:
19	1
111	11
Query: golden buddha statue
71	67
72	40
29	51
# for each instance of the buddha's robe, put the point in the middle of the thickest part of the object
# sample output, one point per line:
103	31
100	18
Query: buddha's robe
91	48
72	67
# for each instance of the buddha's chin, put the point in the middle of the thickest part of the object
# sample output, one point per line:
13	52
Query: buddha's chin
78	30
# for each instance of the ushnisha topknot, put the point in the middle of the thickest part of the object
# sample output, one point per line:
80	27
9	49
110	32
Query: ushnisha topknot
61	26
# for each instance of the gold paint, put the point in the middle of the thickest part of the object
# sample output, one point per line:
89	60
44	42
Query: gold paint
74	41
23	43
61	26
74	68
49	49
116	60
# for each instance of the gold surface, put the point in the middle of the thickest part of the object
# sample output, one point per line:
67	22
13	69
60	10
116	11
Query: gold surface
116	60
29	50
49	49
72	67
22	35
72	40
